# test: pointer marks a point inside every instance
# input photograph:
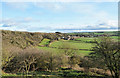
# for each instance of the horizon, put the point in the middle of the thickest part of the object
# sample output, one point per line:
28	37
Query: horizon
82	31
59	16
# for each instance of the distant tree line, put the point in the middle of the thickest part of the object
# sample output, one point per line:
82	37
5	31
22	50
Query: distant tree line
94	34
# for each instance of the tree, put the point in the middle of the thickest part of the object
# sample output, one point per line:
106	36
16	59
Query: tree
52	60
70	52
8	54
74	60
107	51
86	63
28	58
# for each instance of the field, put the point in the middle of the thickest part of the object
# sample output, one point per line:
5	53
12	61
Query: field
55	58
44	42
81	46
86	39
115	37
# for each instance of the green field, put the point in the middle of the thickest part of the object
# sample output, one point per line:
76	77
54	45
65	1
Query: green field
114	37
71	44
86	39
57	51
80	46
45	42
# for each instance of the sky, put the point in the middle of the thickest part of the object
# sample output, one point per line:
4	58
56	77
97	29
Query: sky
59	16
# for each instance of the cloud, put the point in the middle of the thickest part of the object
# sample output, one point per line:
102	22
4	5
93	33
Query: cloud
106	25
113	23
101	26
17	24
5	25
1	25
8	23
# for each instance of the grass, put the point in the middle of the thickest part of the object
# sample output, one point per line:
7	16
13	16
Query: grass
80	47
71	44
85	39
45	42
55	74
99	33
56	50
8	74
109	33
114	37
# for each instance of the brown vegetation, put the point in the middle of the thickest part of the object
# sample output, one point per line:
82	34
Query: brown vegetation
26	39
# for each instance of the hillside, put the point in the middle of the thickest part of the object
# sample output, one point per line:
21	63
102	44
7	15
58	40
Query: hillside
25	39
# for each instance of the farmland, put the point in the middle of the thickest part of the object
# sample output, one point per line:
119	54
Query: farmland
49	55
80	46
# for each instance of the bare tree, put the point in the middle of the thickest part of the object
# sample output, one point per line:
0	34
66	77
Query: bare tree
28	59
108	51
8	54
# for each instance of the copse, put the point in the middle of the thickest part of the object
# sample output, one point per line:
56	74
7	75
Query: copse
9	53
107	54
31	59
